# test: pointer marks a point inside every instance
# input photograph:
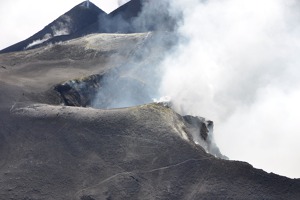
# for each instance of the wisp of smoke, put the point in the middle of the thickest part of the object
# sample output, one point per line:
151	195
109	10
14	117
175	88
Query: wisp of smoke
40	41
62	27
238	65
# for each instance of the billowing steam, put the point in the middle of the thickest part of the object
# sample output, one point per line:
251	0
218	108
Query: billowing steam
239	66
236	62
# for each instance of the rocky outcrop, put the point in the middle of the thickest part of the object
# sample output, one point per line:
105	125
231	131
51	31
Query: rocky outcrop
201	132
79	92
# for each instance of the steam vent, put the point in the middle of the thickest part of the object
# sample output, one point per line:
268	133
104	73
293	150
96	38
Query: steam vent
78	120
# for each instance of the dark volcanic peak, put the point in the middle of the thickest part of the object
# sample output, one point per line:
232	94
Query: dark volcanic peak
61	29
142	16
129	10
86	18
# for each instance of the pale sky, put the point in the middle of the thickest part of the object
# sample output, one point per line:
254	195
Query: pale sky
20	19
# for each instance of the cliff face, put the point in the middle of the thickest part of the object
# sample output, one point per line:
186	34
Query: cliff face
61	137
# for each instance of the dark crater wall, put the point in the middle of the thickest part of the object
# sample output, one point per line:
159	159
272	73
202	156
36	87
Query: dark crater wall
93	91
79	92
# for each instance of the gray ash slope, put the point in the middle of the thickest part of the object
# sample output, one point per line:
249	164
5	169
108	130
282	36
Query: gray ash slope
52	151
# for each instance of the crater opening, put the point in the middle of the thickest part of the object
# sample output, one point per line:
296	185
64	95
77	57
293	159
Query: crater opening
132	82
104	91
136	82
112	90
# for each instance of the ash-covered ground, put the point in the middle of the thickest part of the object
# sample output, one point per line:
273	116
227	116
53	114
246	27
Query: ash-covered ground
78	121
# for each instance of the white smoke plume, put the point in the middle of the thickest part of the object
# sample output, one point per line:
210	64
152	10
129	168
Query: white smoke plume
62	27
238	65
40	41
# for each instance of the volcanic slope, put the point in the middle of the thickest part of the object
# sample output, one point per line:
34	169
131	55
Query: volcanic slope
52	151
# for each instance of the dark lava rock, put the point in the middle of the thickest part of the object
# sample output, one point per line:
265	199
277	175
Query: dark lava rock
79	92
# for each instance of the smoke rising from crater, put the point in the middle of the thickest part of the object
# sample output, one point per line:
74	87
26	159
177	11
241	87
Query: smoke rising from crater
137	80
238	65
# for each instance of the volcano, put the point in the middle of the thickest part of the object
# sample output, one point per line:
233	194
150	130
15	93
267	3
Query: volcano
83	20
68	132
62	29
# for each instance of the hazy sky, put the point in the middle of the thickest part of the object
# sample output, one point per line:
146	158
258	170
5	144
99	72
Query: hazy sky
20	19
